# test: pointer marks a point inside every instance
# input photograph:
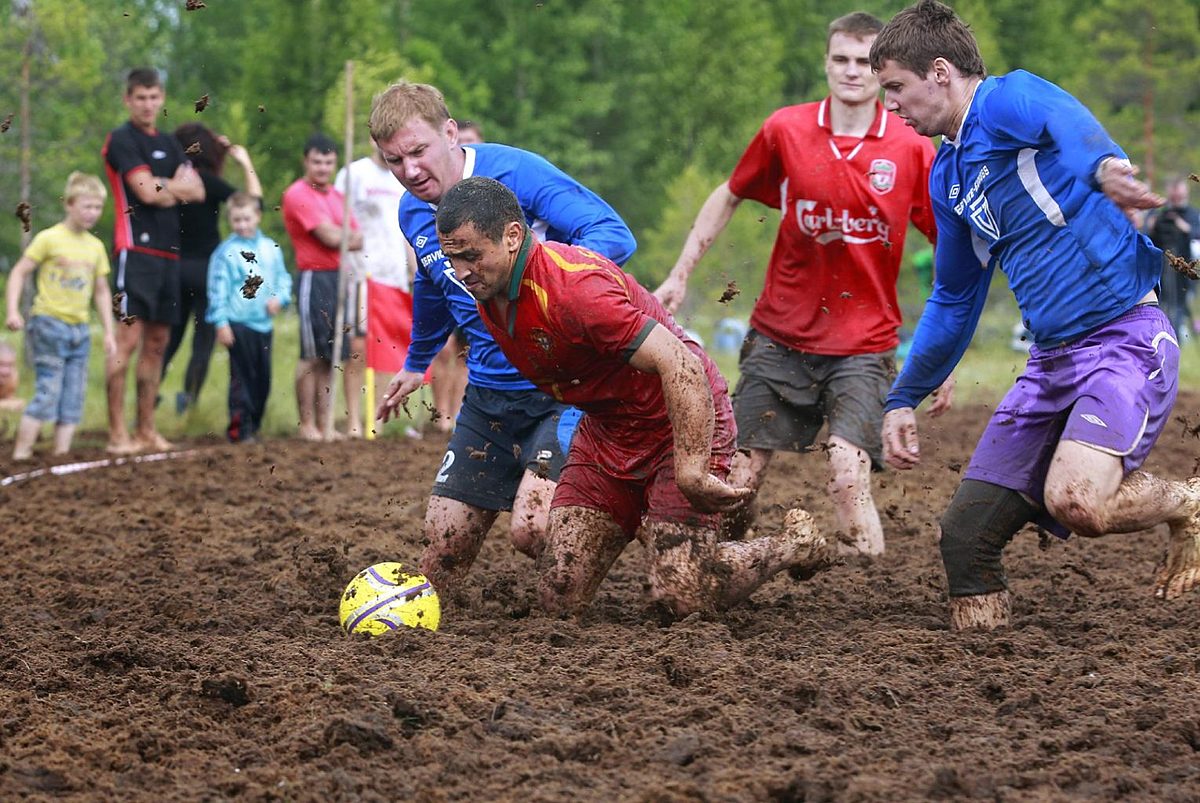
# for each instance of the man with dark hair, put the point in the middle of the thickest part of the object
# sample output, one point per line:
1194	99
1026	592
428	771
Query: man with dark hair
312	214
650	456
150	177
509	438
824	329
1028	180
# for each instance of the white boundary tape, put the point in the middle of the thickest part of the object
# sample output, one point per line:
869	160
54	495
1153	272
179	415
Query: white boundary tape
74	468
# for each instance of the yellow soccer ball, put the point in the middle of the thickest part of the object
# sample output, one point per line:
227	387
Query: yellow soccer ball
383	597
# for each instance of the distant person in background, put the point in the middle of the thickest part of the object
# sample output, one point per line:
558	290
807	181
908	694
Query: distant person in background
72	275
151	178
242	318
312	214
386	257
449	370
1176	228
10	378
823	332
199	234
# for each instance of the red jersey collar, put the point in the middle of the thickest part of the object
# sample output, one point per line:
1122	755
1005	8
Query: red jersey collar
518	271
877	129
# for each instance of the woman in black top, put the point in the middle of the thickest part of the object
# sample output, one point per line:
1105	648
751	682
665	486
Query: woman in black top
199	236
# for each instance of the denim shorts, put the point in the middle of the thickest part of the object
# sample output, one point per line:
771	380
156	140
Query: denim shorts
60	361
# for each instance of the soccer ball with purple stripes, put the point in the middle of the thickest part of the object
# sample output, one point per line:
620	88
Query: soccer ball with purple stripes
384	597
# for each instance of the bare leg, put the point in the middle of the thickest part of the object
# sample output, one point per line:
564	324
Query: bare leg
353	372
850	488
306	395
443	385
115	367
63	434
323	393
149	373
27	433
455	532
1086	490
531	514
581	547
748	471
691	571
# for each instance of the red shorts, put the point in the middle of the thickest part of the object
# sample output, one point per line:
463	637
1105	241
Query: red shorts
654	494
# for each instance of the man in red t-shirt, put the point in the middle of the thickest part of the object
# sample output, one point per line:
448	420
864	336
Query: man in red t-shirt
649	458
312	214
847	177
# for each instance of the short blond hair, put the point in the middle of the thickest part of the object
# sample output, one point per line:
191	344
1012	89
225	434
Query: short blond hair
83	184
402	101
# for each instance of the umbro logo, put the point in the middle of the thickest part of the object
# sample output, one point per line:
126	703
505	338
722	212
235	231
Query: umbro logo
1091	419
420	241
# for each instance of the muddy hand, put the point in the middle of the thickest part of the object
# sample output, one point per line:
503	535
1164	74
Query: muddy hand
901	448
710	494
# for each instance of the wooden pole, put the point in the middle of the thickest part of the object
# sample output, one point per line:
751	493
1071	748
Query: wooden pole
339	325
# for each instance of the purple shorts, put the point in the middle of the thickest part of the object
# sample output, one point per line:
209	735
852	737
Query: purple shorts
1112	389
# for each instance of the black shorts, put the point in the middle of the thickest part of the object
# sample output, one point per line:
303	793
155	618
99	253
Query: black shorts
149	285
498	435
783	397
317	303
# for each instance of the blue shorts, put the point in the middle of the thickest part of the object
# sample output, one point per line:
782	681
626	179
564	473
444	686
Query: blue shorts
497	436
60	361
1112	389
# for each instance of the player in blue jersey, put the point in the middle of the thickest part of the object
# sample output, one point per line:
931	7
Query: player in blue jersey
510	439
1026	179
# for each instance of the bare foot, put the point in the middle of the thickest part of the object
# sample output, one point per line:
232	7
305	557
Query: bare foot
22	457
1179	572
811	553
984	611
153	442
123	447
311	434
335	436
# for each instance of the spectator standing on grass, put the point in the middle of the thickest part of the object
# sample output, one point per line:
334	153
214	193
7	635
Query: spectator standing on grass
510	439
248	284
151	178
1176	229
651	454
199	234
312	214
386	257
1027	179
848	177
72	274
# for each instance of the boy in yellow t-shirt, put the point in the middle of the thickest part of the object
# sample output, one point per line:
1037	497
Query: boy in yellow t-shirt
72	267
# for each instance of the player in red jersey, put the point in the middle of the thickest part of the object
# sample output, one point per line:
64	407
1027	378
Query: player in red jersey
650	456
847	177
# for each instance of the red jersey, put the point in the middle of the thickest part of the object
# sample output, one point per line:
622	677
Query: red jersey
304	208
573	321
846	202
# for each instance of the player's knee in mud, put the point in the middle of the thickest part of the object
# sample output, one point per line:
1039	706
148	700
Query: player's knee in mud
981	520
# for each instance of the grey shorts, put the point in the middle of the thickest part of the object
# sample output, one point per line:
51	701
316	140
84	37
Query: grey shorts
784	397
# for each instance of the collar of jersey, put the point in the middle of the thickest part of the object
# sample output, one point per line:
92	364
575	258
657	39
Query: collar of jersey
878	125
518	272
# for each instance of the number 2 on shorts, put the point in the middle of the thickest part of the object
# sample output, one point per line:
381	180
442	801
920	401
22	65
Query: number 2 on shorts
444	472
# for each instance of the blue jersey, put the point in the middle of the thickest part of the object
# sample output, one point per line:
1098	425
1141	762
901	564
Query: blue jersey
1017	190
556	206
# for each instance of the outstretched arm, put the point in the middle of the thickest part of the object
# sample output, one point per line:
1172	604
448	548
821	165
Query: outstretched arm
690	409
712	219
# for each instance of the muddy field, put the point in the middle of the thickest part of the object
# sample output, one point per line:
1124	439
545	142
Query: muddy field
169	632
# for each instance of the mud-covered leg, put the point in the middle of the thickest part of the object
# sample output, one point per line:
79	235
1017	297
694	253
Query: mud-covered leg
748	471
581	547
981	520
531	514
691	571
455	532
1180	571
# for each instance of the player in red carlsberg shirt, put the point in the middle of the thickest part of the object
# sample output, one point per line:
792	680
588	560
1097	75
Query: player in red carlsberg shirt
650	456
847	177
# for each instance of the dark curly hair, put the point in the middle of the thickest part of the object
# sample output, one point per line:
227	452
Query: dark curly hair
211	154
